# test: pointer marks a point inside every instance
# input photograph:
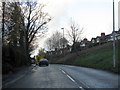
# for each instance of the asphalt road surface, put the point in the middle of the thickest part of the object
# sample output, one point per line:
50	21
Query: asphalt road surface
66	76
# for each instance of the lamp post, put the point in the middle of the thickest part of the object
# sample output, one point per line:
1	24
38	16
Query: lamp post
63	40
114	49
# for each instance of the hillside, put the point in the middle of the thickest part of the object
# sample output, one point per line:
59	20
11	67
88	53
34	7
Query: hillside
99	57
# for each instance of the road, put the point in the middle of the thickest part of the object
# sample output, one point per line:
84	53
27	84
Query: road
66	76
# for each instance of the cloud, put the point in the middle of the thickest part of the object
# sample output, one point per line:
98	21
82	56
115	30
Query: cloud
58	10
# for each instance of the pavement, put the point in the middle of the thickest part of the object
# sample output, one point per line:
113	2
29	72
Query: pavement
63	76
13	77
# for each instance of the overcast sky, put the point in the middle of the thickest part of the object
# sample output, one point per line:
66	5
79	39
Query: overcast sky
95	16
119	14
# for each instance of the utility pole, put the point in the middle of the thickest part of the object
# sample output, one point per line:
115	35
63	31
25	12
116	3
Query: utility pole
114	49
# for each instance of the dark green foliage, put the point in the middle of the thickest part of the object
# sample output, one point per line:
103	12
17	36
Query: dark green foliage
20	24
13	50
76	47
12	58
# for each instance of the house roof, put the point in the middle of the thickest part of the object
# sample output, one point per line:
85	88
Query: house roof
93	39
98	37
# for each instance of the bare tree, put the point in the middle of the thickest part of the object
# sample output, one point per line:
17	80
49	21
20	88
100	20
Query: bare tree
35	21
74	33
48	43
56	41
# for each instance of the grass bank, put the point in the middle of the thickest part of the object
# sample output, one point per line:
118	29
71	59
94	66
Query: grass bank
99	57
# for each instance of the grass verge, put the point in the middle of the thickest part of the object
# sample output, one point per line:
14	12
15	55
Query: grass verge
99	57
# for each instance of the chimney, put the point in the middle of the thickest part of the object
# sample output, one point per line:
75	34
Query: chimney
102	34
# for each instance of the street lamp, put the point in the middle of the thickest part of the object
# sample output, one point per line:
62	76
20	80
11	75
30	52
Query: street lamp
114	49
63	40
63	36
50	44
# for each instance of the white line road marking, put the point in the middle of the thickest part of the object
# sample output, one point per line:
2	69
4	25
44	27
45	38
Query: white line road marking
74	80
85	84
70	78
63	72
60	69
80	87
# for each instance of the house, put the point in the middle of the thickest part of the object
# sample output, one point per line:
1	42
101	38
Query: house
84	43
117	35
105	38
109	37
60	51
93	40
98	39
